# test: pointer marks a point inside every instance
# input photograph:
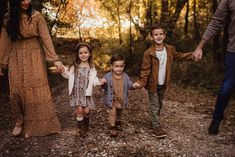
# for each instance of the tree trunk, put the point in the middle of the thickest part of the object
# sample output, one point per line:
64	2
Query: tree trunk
115	16
130	31
196	29
37	4
149	19
119	23
3	10
179	6
186	19
56	17
164	13
80	33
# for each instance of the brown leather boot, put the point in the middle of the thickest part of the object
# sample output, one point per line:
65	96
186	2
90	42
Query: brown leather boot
159	132
80	125
86	123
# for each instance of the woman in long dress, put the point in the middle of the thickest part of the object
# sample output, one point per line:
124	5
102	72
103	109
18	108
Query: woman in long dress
25	45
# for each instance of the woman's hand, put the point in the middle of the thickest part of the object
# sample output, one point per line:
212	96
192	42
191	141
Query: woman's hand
59	66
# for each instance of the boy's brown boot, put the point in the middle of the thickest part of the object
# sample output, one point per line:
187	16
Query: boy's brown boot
113	132
159	132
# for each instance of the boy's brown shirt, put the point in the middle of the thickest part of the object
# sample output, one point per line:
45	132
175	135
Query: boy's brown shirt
118	92
150	66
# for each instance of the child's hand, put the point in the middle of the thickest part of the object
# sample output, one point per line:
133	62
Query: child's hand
136	85
54	69
59	66
102	81
62	69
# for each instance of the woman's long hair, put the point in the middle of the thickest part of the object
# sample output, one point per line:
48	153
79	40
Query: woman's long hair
13	25
3	10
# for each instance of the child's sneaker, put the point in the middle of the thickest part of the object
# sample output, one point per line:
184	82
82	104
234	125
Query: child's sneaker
113	132
159	132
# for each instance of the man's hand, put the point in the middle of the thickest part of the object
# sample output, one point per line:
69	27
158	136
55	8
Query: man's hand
197	54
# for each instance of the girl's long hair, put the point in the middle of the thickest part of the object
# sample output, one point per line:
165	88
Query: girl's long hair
78	47
13	25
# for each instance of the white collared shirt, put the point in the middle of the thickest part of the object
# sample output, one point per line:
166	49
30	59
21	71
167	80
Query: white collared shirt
162	57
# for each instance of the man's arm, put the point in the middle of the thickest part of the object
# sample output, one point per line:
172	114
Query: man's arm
216	23
197	54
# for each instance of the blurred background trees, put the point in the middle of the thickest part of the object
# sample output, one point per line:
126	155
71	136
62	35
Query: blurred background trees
123	26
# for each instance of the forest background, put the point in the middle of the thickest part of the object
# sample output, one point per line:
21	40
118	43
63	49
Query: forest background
123	26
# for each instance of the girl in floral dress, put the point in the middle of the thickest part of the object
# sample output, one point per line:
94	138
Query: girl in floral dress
82	76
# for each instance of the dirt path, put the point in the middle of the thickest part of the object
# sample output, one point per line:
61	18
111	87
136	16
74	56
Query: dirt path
185	116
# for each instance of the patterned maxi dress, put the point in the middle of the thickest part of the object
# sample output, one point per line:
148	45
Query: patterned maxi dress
30	96
78	96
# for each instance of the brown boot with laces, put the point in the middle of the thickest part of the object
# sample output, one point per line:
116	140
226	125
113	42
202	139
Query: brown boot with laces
159	132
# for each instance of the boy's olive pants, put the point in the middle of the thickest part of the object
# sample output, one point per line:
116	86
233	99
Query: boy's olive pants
155	104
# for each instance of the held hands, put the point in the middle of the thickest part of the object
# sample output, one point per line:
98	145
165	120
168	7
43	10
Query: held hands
197	54
102	81
59	66
136	85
